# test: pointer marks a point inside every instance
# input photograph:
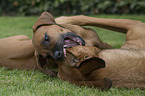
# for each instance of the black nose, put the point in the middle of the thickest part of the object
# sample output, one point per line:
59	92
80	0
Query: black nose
58	55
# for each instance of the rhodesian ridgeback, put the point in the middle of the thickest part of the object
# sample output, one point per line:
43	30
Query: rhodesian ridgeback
50	40
52	37
48	45
125	66
101	69
80	62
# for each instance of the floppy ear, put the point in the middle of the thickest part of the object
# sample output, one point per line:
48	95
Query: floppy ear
44	19
91	64
42	65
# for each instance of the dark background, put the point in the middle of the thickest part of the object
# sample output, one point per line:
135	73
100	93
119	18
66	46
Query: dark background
70	7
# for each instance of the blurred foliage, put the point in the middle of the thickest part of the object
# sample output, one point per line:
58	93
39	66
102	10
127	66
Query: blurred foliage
65	7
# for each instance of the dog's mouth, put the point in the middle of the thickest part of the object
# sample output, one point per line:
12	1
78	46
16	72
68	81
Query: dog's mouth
70	41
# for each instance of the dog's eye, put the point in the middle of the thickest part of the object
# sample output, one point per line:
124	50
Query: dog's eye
46	40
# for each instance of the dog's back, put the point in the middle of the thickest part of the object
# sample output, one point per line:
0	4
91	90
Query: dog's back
126	68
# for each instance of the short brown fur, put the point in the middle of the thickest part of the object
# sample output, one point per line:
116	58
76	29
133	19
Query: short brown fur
124	66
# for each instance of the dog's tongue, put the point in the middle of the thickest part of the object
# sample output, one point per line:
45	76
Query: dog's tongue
69	43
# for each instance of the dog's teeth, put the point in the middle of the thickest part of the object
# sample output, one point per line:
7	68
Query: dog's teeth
78	41
65	46
64	52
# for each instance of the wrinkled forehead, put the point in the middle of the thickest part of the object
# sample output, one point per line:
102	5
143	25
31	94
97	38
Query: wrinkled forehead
56	29
53	31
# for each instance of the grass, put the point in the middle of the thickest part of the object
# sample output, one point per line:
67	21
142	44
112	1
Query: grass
36	83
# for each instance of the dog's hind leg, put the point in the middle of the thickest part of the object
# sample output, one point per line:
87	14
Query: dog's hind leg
17	52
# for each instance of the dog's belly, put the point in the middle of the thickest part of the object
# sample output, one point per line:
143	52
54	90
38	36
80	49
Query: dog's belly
125	67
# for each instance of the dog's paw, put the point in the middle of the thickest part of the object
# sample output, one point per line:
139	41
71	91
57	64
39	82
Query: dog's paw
63	20
107	84
102	84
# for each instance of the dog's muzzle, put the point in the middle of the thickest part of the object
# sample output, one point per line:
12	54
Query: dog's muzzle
58	55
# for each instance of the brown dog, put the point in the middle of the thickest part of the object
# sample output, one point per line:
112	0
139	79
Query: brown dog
131	54
93	67
124	66
50	40
80	62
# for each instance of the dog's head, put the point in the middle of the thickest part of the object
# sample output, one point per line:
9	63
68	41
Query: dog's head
83	64
80	60
50	39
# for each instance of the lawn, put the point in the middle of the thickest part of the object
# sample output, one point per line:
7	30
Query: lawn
36	83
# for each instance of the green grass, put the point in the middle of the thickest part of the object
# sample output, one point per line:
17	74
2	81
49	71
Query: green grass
36	83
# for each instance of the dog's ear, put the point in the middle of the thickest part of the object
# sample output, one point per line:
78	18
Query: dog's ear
91	64
42	65
45	19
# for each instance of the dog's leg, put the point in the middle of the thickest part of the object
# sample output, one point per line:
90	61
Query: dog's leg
102	84
133	29
17	52
120	25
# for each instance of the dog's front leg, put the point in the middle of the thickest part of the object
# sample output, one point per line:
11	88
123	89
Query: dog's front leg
120	25
102	84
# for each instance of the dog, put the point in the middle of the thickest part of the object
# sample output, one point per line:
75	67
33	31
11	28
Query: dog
52	37
50	40
47	46
79	64
124	67
92	67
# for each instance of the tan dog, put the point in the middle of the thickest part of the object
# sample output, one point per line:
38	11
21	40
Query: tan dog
131	54
80	62
93	67
124	66
50	40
